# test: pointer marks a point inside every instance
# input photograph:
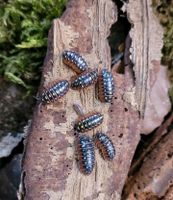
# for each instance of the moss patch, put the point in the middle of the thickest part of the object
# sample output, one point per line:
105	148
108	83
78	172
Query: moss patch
24	26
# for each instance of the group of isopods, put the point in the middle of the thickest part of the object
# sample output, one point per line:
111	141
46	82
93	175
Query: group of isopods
105	87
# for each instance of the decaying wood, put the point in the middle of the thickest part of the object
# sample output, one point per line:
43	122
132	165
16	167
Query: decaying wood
49	164
154	179
150	92
159	134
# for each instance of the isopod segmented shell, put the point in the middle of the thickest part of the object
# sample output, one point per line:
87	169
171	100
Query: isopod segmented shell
84	80
106	86
85	154
105	146
55	92
74	61
88	122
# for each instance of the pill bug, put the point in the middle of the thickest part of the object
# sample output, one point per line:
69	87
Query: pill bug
84	80
106	86
85	154
88	122
74	61
55	92
105	146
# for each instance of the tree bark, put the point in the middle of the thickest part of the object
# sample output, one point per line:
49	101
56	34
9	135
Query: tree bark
153	179
151	174
49	165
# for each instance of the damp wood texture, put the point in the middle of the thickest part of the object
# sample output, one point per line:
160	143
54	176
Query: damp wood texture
50	170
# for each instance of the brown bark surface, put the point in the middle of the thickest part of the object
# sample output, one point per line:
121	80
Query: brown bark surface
49	164
151	174
154	178
151	81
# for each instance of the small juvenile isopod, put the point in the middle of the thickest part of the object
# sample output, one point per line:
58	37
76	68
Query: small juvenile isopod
84	80
105	146
74	61
55	92
88	122
85	154
106	86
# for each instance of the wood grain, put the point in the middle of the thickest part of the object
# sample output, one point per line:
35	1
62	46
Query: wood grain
49	164
153	180
149	94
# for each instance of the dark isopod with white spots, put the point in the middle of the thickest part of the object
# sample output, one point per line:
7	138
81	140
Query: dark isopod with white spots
84	80
85	154
105	146
106	86
55	92
74	61
88	122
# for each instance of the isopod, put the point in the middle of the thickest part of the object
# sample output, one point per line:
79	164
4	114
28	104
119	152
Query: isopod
84	80
55	92
74	61
85	154
105	146
88	122
106	86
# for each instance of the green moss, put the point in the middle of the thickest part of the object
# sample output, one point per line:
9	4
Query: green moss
24	26
164	11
